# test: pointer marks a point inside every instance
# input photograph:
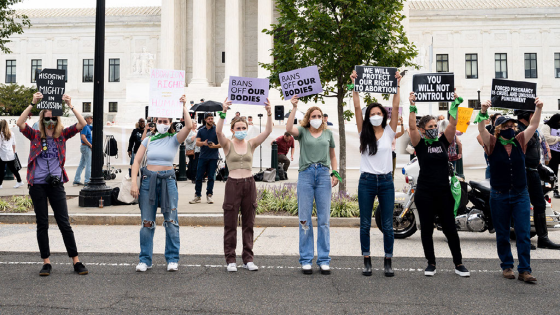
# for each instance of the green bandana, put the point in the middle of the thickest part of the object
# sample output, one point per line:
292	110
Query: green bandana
430	141
222	115
350	87
161	135
506	142
456	192
481	117
413	109
455	107
335	173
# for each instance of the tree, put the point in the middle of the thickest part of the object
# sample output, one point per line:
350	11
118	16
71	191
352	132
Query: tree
10	23
337	35
14	99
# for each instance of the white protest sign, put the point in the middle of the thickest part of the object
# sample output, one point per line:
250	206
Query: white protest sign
251	91
166	89
303	82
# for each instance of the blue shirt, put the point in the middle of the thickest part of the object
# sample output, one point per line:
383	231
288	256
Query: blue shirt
208	134
86	131
161	151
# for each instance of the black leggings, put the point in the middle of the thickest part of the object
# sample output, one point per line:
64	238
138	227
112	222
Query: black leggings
554	161
432	201
12	167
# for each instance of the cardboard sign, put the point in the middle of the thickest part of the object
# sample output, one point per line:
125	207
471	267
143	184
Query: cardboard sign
463	118
376	80
51	82
251	91
390	112
434	87
514	94
166	89
303	82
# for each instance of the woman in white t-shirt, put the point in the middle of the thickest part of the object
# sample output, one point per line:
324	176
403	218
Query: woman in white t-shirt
7	153
376	167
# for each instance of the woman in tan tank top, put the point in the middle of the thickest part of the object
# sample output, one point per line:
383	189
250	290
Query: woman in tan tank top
241	192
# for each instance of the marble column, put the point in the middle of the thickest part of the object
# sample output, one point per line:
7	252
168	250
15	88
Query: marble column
234	39
265	41
203	42
168	30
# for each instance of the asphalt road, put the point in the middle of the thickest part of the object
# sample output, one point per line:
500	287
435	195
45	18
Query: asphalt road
202	286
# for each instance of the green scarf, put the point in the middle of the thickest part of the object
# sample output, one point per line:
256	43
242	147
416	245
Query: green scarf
161	135
455	107
335	173
456	192
430	141
413	109
481	117
506	142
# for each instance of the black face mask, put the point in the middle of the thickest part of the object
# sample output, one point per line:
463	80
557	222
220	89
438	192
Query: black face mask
432	133
507	133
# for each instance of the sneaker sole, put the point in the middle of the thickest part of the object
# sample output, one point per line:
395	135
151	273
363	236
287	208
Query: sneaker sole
367	273
325	272
463	274
389	274
250	269
429	273
307	272
193	202
172	270
228	270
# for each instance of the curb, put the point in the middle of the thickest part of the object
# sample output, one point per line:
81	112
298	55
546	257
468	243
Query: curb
184	220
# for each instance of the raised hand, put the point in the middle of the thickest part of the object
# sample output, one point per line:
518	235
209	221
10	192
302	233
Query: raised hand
412	98
399	77
37	97
295	100
268	107
225	105
487	104
538	103
354	76
183	99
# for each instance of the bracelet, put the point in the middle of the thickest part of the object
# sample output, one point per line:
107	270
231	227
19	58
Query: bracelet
269	115
222	115
350	86
32	104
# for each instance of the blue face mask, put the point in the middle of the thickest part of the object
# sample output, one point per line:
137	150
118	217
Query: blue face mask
507	133
240	135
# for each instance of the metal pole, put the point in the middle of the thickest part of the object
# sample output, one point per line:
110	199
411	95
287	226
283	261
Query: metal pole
274	159
182	163
96	190
260	131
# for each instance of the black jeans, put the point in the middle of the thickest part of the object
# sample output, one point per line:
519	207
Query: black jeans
554	161
57	198
12	167
191	167
535	192
429	202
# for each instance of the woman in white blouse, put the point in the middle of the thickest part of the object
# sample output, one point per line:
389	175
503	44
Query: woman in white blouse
7	153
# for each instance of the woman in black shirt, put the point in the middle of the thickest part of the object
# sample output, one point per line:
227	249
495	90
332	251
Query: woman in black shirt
433	192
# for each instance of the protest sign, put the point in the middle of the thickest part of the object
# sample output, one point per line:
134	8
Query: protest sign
463	118
434	87
250	91
166	89
51	83
513	94
376	80
390	111
303	82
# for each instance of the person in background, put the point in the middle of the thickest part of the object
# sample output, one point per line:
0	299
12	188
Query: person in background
490	127
237	114
193	152
136	137
440	118
85	149
455	149
285	143
36	124
326	119
551	132
46	177
8	153
250	120
207	140
394	145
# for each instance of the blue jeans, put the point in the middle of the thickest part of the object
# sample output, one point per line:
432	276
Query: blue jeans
171	222
314	183
487	172
504	206
370	186
85	161
207	166
132	156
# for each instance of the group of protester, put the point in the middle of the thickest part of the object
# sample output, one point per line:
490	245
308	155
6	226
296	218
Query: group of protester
509	148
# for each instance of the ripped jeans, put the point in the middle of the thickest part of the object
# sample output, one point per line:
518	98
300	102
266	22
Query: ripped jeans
314	183
171	221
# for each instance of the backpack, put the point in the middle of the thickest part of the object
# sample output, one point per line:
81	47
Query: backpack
112	149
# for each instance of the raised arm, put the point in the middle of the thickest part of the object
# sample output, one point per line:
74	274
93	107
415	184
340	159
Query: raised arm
534	124
81	121
484	134
290	124
412	129
452	127
256	141
222	139
23	117
183	134
357	106
396	103
400	133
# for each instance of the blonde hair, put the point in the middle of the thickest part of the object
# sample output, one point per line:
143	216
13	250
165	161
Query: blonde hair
238	119
305	121
57	128
6	133
498	128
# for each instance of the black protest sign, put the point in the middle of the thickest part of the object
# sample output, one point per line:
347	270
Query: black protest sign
513	94
376	80
434	87
51	83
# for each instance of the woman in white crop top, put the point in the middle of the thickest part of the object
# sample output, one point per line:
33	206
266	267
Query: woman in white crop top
376	137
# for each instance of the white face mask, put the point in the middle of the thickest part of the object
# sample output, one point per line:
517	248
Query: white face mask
376	120
316	123
161	128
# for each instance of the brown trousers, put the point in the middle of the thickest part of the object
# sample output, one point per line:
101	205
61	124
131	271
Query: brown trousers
284	159
241	193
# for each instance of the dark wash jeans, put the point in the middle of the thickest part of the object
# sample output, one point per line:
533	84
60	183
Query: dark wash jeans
536	194
504	206
370	186
205	166
57	198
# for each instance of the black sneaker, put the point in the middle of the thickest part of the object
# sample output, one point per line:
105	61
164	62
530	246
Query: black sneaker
430	270
46	270
80	268
462	271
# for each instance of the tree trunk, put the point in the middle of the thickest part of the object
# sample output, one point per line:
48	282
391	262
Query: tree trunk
342	140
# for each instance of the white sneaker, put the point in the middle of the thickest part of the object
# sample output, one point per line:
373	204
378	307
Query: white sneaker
209	199
232	267
141	267
172	266
195	200
250	266
325	270
0	186
307	269
18	185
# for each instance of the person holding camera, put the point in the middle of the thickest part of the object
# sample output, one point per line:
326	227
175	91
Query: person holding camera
46	176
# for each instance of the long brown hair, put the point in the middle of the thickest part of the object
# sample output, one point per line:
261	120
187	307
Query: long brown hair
6	133
57	128
305	121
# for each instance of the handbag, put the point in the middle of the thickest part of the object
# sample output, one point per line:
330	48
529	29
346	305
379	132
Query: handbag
126	184
410	149
269	175
189	152
17	163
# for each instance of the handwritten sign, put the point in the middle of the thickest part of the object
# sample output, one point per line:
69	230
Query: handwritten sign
166	89
251	91
513	94
390	112
303	82
376	80
434	87
463	118
51	83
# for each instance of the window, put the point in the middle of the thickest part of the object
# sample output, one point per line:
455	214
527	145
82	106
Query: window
556	65
442	63
530	66
10	71
62	64
471	66
36	67
443	106
113	107
474	104
86	107
87	75
501	66
114	70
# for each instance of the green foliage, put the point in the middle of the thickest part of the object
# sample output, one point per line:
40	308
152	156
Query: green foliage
10	23
14	99
22	201
4	205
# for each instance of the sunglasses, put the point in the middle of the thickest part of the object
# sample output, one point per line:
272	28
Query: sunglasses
50	118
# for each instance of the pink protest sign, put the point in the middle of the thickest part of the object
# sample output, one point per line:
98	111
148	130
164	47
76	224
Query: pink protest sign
390	111
166	88
303	82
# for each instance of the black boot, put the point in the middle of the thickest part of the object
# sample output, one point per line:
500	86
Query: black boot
367	266
542	233
388	269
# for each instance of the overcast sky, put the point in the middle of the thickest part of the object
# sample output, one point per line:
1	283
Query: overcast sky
38	4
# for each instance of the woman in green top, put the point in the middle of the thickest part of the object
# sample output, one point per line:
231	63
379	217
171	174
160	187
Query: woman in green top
314	184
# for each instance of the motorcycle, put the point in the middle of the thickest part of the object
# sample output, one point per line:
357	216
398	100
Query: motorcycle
473	218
